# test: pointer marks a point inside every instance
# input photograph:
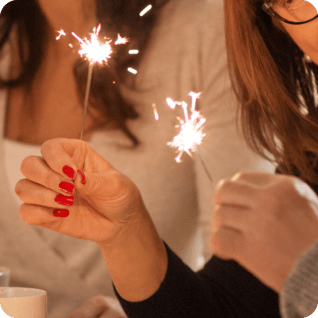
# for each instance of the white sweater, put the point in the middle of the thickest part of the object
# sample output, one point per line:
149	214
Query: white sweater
187	53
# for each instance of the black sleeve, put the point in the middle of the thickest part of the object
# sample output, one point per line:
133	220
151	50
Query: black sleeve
222	289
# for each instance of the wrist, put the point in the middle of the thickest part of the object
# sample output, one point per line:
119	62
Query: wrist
137	260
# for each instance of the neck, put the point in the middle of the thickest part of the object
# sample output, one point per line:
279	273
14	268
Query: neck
78	16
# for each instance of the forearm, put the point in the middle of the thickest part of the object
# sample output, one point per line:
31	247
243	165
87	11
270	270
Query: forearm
137	261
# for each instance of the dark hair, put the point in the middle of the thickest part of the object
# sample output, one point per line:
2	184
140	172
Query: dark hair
275	88
115	16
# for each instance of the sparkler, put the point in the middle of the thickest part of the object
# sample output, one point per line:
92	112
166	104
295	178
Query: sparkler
190	135
95	52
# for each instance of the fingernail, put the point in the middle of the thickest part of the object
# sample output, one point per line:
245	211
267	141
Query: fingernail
83	179
61	213
69	171
62	199
67	187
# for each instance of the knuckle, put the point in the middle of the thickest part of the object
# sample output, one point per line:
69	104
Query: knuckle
226	184
220	184
101	301
244	175
272	206
47	180
98	301
46	144
239	175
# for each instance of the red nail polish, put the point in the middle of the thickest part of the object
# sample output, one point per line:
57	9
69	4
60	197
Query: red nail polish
83	179
61	213
67	187
69	171
62	199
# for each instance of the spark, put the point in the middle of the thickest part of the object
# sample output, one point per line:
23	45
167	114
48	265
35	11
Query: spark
144	11
155	111
93	50
120	40
190	135
132	70
61	33
133	51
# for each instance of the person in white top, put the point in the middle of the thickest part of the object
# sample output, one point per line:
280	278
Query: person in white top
182	49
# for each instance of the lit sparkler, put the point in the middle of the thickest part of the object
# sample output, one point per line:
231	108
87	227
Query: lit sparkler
190	135
95	52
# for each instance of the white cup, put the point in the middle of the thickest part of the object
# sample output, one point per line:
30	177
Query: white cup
18	302
4	277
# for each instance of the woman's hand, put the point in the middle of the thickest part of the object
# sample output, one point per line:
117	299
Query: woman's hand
263	223
102	208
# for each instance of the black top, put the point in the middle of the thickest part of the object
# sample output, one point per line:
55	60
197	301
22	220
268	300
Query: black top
222	289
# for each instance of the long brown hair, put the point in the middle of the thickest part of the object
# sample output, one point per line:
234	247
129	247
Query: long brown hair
117	16
275	88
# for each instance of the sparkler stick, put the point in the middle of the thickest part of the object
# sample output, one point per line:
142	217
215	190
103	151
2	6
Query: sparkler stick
88	87
204	166
190	135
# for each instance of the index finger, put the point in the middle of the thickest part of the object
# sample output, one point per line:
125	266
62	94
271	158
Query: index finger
256	177
59	155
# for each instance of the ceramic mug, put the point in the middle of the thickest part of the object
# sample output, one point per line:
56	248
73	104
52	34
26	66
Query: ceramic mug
18	302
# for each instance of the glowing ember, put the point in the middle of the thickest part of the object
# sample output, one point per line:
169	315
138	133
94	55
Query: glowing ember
120	40
133	51
61	33
155	111
144	11
93	50
132	70
190	135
